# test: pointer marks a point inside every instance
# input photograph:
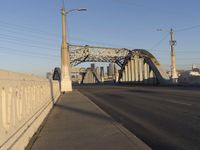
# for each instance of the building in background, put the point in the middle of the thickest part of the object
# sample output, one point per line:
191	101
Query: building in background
111	70
107	71
190	76
102	74
76	74
49	75
93	67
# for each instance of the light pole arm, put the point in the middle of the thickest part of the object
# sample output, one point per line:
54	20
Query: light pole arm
77	9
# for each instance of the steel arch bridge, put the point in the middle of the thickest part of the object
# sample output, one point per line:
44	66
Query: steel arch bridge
136	65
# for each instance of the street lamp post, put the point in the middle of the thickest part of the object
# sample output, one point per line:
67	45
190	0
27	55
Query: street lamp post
66	83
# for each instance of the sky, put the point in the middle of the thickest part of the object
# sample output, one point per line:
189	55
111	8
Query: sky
30	30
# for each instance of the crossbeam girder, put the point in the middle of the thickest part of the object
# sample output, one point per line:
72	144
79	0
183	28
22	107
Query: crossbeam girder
79	54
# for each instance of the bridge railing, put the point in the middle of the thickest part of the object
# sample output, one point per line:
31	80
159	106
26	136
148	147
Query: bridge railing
25	101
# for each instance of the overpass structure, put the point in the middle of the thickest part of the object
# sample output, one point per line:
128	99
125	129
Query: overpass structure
137	65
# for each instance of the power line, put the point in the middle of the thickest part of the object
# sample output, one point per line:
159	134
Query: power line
187	64
29	34
23	39
188	28
194	58
30	29
183	64
178	51
30	55
27	52
22	43
39	32
159	42
180	57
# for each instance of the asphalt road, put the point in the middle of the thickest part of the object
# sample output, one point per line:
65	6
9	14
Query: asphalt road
164	118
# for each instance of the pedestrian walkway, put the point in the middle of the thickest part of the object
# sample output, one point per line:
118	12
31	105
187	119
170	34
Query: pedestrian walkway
75	123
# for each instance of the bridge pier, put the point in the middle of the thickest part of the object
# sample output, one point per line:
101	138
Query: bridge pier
126	73
136	68
146	69
141	61
116	74
154	79
151	77
123	76
129	71
94	81
148	72
102	74
132	70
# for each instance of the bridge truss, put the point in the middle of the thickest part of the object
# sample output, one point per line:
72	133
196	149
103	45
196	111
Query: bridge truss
80	54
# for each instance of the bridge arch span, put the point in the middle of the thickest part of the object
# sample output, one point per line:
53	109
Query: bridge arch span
141	66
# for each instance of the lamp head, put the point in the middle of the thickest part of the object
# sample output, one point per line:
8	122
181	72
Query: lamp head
82	9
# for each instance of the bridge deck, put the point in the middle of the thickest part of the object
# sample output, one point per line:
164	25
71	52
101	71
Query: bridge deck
76	123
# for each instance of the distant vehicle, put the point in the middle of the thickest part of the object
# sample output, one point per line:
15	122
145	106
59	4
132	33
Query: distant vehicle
56	74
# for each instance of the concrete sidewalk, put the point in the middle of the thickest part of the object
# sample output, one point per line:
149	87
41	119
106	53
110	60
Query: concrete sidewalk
76	123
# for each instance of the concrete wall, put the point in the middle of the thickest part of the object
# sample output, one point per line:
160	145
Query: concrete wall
25	100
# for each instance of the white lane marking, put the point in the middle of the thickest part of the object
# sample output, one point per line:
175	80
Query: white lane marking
168	100
177	102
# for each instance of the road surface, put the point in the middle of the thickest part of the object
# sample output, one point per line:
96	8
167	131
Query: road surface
164	118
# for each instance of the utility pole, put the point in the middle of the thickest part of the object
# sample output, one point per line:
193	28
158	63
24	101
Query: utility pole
174	76
66	83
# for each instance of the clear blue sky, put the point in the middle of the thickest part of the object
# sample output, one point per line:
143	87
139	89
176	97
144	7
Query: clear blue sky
30	30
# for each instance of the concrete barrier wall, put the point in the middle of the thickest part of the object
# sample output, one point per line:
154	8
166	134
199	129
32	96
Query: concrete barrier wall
25	100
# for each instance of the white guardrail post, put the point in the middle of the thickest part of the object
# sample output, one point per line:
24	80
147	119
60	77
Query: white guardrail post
25	100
